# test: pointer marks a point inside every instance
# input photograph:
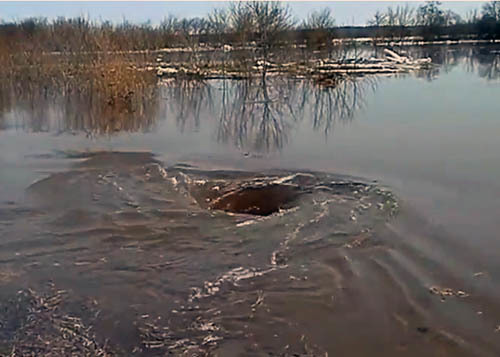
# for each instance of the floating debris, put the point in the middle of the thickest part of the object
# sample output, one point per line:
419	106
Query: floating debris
328	72
447	292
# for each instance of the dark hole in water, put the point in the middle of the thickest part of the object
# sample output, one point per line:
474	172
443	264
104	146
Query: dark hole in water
261	201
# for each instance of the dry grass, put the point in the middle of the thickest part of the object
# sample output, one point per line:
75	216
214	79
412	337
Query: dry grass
108	88
112	76
36	324
87	63
98	95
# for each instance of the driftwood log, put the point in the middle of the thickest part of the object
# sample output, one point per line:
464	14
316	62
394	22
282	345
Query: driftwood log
324	68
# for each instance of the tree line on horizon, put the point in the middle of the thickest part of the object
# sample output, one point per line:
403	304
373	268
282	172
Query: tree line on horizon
263	23
432	20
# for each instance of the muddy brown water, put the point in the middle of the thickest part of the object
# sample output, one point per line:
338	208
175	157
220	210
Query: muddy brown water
272	218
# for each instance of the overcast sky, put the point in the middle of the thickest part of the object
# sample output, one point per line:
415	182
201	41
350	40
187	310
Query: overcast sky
345	12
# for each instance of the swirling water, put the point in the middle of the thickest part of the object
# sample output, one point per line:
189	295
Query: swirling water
379	235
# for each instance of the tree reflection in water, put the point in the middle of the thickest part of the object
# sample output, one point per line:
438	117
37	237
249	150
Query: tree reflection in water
489	68
256	114
260	114
481	60
43	109
187	101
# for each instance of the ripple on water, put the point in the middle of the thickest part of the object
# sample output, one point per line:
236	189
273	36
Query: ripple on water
125	224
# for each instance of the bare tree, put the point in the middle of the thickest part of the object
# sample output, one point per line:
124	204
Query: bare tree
167	28
396	19
265	21
319	26
218	23
451	18
391	17
319	20
241	21
404	15
404	18
472	16
188	31
430	14
492	10
378	19
270	20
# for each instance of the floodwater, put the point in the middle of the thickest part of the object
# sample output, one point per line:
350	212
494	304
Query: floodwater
266	218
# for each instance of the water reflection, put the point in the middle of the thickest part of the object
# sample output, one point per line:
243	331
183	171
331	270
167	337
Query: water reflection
253	115
43	109
260	114
488	66
257	114
186	101
484	61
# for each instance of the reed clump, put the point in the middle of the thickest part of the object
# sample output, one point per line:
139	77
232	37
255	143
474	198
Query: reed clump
112	78
71	56
108	87
97	93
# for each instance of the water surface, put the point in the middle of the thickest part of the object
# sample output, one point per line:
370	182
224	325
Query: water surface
390	246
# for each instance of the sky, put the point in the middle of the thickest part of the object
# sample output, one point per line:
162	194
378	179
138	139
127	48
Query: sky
345	12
